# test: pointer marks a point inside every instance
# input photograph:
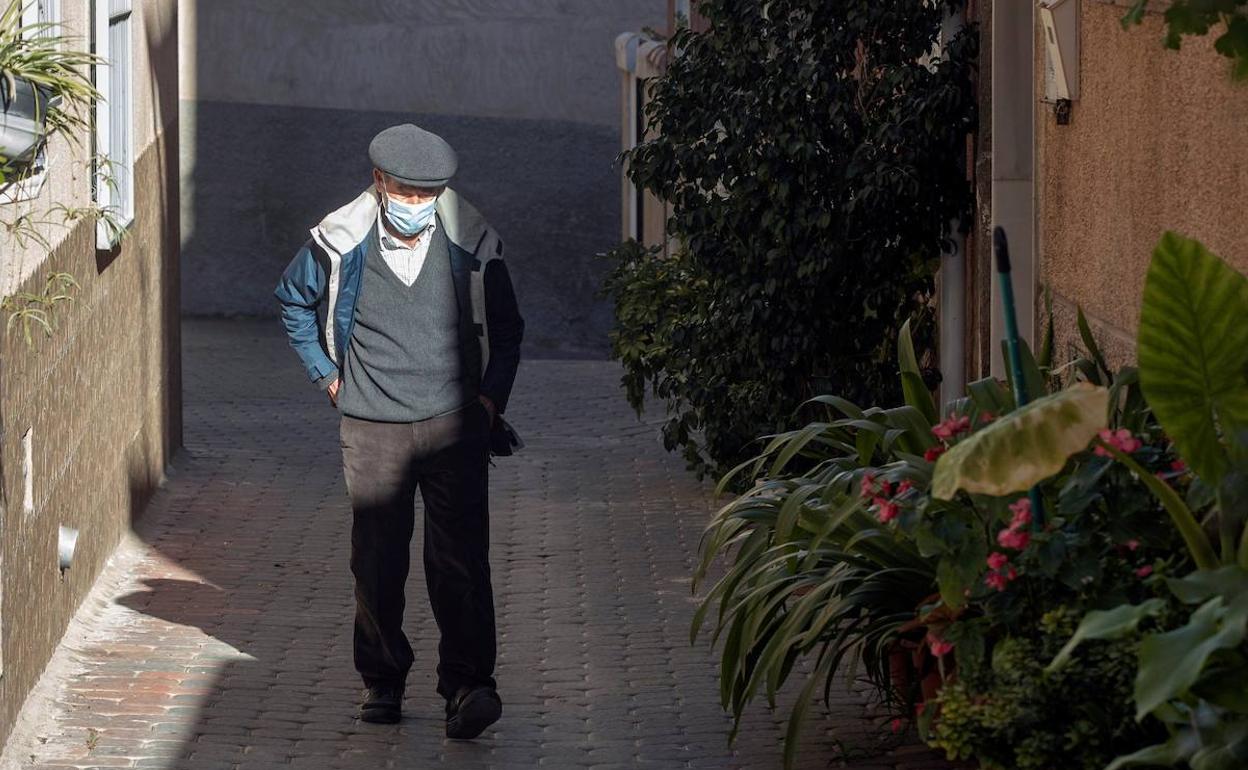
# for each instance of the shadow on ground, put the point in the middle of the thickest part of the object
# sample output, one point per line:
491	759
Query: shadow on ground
229	644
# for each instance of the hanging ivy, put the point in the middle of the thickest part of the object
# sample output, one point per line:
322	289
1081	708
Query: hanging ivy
813	154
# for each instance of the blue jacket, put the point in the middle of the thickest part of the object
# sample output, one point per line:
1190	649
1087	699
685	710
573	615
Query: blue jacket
322	282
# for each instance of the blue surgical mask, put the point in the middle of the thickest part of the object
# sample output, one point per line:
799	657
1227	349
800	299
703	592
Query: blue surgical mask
409	219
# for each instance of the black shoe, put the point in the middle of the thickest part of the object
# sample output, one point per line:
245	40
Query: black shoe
382	703
471	711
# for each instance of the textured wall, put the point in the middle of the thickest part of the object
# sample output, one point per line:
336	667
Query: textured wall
1155	143
102	395
281	98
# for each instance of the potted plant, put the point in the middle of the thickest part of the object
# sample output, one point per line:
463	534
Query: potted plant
44	85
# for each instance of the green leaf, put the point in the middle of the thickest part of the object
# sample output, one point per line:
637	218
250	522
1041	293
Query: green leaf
1025	447
989	395
1083	487
1193	351
1229	582
916	393
1181	746
958	571
1089	341
1171	662
1134	15
917	429
1107	624
798	716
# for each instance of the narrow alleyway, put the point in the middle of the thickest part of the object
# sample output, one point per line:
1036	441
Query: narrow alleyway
220	637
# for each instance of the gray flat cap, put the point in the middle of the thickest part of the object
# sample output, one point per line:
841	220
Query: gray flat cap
413	156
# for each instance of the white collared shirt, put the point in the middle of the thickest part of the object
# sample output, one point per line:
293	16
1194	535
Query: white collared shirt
405	261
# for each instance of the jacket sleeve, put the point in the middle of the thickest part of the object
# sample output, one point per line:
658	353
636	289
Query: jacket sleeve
506	331
299	291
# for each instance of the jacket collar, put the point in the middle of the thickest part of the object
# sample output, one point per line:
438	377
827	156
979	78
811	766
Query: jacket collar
348	227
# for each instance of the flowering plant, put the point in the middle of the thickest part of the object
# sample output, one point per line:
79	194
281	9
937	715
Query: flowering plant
842	552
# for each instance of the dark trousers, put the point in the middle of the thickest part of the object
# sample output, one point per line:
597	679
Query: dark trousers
446	457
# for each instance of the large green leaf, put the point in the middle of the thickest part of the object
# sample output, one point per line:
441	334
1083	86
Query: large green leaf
1107	624
1024	447
1193	350
1230	582
1172	662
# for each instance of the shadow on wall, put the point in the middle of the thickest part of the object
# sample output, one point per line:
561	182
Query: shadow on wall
262	175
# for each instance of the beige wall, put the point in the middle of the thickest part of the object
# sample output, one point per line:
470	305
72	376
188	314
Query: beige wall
101	396
1155	142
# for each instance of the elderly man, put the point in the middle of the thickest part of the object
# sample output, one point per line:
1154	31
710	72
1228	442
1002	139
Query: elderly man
417	347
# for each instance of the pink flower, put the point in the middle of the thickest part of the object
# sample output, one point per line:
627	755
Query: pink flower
933	453
1120	439
896	725
987	417
1022	513
997	560
886	510
952	427
939	647
1178	466
868	486
904	487
1132	544
886	488
996	580
1144	571
1013	538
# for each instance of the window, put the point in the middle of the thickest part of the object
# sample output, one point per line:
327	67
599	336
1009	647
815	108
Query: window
114	118
42	12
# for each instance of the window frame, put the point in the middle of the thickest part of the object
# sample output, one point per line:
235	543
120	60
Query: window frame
106	14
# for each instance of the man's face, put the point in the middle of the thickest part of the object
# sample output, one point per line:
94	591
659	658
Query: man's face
405	193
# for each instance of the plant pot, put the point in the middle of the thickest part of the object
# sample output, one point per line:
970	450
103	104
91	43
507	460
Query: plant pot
23	119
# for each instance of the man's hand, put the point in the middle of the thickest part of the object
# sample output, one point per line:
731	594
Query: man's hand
333	391
489	407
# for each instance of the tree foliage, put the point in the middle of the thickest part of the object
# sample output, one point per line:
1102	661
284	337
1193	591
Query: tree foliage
814	157
1197	17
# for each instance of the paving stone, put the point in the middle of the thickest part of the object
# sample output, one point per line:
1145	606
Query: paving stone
220	636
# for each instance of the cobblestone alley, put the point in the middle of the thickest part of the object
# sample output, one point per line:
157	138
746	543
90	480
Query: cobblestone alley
220	635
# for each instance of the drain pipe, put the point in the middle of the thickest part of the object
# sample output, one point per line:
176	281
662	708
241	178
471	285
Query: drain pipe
1013	162
952	299
66	544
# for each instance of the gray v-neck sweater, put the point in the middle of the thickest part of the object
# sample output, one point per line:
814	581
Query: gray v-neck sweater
403	363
